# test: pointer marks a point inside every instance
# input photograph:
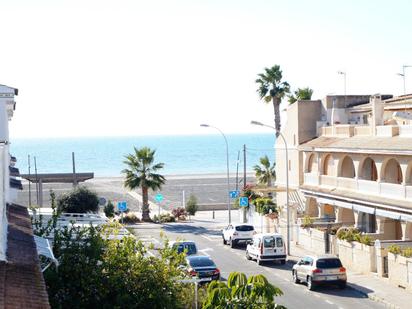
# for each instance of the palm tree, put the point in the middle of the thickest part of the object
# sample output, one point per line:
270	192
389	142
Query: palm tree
141	173
301	94
265	173
271	88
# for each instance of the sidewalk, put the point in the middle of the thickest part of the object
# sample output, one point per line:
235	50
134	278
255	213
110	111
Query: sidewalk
376	288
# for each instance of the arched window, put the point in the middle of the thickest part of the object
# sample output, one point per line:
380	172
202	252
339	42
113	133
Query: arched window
328	165
369	171
347	168
408	178
392	172
312	164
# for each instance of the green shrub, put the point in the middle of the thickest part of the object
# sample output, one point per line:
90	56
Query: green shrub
407	252
130	218
395	249
307	221
79	200
109	209
165	217
191	205
265	205
353	234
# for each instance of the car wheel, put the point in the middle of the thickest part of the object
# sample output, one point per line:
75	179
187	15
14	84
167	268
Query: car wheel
282	262
310	284
224	241
248	256
232	243
259	261
342	285
295	277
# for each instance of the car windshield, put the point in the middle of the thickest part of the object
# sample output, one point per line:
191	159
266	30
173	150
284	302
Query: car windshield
201	262
269	242
328	263
244	228
189	247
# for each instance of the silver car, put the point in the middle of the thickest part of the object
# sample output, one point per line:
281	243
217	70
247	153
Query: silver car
322	269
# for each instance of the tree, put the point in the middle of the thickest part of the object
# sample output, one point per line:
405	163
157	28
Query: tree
191	205
109	209
272	88
141	173
265	173
301	94
240	292
79	200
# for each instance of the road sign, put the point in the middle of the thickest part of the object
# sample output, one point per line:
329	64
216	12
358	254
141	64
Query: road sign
244	201
159	197
122	206
234	194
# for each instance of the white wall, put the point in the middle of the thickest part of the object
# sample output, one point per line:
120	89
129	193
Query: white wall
3	215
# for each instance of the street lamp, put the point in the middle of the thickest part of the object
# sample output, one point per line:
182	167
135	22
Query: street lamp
403	74
278	133
344	84
227	167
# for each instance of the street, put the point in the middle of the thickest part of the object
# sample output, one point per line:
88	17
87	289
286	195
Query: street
207	236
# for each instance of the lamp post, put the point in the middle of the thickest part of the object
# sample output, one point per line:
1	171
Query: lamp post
403	74
344	84
227	167
287	180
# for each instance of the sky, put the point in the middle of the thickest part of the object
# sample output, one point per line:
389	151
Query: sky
131	67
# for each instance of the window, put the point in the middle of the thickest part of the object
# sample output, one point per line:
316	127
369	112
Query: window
201	262
328	263
279	242
244	228
269	242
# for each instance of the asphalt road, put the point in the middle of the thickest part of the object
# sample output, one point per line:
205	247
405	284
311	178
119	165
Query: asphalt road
209	241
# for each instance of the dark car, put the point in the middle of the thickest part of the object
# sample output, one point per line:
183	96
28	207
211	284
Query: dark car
202	267
189	247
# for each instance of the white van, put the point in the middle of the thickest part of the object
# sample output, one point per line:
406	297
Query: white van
266	247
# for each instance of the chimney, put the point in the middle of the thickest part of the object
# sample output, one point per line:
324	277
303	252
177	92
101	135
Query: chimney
377	112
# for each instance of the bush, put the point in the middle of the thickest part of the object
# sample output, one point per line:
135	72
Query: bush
265	205
165	217
179	212
307	222
407	252
130	218
191	205
395	249
353	234
79	200
109	209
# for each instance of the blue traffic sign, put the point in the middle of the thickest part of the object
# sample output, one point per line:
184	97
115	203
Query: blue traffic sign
244	201
234	194
159	197
122	206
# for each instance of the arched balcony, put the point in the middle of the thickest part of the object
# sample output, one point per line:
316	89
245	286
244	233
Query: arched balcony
368	170
392	172
328	166
347	169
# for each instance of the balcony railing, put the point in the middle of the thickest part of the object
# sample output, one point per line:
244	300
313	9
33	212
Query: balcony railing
390	190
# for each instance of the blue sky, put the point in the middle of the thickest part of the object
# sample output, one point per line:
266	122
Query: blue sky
98	68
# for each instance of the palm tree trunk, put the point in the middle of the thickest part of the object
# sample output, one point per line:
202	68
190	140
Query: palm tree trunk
145	207
276	103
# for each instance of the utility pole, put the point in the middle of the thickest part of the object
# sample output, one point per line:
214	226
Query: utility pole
28	159
244	166
74	171
237	170
37	182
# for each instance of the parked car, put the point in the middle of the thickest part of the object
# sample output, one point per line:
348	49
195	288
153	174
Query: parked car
189	247
235	233
266	247
202	267
316	270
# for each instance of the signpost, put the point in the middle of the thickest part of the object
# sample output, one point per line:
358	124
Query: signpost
244	201
159	199
122	207
234	193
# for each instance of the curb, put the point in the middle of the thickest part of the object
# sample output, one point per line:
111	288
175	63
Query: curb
373	296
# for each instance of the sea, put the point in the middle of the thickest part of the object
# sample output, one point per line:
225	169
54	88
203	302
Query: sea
181	154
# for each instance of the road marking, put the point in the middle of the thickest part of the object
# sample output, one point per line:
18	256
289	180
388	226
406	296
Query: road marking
206	237
204	251
329	302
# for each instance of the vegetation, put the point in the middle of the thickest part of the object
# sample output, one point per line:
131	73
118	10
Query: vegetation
109	209
265	173
307	222
191	205
141	172
301	94
130	218
353	234
242	292
79	200
272	88
179	213
97	272
395	249
165	217
265	205
247	191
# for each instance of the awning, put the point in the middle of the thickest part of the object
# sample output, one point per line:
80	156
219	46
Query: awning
44	249
16	184
14	171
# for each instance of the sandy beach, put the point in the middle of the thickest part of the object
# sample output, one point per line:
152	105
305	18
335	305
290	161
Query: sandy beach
209	189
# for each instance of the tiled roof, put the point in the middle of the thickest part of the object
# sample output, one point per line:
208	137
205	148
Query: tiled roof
361	143
21	281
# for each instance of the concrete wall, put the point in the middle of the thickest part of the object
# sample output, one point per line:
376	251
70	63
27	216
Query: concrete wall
400	270
356	256
312	240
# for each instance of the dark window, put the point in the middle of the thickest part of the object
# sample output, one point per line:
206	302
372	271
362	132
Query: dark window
244	228
189	247
328	263
269	242
279	242
201	262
